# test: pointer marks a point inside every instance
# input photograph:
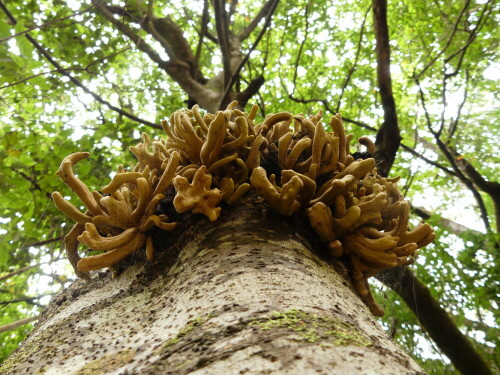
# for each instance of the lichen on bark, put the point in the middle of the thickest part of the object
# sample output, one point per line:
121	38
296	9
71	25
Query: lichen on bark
313	328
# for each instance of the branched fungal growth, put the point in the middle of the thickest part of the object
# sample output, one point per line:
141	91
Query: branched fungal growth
291	161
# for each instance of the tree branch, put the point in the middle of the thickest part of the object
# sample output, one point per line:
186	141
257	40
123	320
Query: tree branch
179	71
221	25
263	12
428	161
448	153
29	300
18	323
453	226
247	57
203	32
44	242
252	88
435	320
86	69
492	188
164	30
454	122
33	182
20	270
388	137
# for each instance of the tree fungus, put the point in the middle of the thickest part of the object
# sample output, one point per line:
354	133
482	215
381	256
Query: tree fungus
294	164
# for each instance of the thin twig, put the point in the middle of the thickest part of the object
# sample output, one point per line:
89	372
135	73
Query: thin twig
428	161
448	42
299	53
38	75
17	272
448	153
472	37
255	21
29	300
454	122
44	242
246	58
353	67
75	81
18	323
45	24
33	182
66	69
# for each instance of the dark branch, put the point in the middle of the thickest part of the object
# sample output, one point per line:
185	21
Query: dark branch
211	37
436	320
38	75
454	122
17	272
254	87
86	69
449	155
29	300
44	242
388	137
203	32
428	161
33	182
451	225
221	25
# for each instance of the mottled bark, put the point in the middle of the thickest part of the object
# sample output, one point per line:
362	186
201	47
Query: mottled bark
209	310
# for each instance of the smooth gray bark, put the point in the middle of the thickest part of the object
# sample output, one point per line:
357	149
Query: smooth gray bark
245	295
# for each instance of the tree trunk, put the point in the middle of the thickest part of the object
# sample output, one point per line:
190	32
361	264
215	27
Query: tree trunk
243	295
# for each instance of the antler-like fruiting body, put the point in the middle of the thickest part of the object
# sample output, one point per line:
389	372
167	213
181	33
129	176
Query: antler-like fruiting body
197	195
293	162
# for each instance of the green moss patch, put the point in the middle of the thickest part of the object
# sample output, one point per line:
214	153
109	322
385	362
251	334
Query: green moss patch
314	328
184	331
107	363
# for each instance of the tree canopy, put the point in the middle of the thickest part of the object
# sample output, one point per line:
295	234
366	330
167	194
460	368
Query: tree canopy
93	77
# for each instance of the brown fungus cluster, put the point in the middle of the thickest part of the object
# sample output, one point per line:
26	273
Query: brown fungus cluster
290	160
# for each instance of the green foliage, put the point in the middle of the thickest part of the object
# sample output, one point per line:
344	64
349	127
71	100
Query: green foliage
313	50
